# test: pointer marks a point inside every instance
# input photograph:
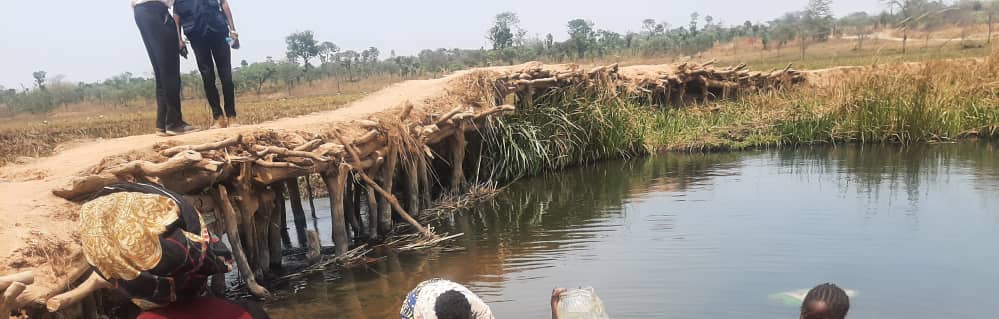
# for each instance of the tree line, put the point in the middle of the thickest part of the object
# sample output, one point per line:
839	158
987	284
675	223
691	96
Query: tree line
309	59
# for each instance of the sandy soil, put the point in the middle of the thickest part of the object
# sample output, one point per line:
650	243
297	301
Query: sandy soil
38	229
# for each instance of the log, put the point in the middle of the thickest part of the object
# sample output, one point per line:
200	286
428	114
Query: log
348	208
392	200
498	109
235	140
367	138
262	151
274	227
232	229
424	175
9	299
312	198
458	159
335	181
412	184
248	205
388	179
310	146
447	116
93	283
295	195
87	185
372	199
312	253
27	278
368	124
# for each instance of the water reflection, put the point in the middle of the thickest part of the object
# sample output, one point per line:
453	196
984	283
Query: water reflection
711	235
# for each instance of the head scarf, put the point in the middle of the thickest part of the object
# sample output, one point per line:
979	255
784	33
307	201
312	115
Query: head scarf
420	302
150	243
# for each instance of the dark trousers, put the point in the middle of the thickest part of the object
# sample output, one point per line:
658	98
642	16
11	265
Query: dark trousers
213	53
159	34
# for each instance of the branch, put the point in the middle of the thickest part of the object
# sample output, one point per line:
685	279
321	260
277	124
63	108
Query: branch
74	296
170	152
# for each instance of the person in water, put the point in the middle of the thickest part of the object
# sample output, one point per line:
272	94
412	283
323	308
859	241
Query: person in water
153	246
442	299
825	301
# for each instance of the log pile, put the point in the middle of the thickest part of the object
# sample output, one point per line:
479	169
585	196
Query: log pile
241	181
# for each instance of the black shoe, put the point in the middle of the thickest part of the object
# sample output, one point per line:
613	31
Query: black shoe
182	129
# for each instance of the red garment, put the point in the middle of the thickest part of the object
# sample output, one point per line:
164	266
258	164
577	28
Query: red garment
199	308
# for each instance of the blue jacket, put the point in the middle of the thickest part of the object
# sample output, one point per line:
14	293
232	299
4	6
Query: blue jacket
201	17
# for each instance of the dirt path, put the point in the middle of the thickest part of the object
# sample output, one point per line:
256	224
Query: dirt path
38	228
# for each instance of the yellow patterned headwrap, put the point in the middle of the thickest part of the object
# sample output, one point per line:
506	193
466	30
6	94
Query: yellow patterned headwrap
121	232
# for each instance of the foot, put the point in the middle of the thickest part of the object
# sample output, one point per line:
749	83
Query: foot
231	122
161	133
220	122
182	129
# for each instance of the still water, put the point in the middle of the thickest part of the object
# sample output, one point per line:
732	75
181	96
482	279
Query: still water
914	231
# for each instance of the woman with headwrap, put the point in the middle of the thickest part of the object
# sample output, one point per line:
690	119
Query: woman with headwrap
152	245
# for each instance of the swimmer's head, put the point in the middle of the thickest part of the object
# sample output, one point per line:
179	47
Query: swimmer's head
825	301
453	305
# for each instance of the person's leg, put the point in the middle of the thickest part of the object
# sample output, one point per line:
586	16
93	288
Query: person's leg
170	70
223	59
147	20
203	53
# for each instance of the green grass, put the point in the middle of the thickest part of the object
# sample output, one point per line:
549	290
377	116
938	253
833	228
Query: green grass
943	102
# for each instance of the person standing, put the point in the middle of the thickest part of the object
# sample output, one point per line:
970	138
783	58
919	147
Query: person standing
209	26
161	37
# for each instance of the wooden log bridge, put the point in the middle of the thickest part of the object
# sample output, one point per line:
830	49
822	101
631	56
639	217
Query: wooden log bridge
376	153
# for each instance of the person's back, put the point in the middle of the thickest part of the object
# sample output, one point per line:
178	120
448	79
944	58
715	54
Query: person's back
825	301
441	299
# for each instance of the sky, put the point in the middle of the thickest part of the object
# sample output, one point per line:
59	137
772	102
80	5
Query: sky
93	40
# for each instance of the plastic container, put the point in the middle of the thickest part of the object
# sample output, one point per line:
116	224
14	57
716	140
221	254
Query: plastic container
581	303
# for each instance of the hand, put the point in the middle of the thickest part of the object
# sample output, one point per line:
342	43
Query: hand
556	295
183	50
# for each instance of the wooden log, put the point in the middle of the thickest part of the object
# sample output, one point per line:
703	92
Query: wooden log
248	206
391	198
262	151
369	137
274	228
310	146
232	141
368	124
312	252
447	116
498	109
262	221
83	186
27	278
312	198
424	175
295	196
74	296
353	218
9	299
356	208
412	184
335	181
232	229
387	179
458	159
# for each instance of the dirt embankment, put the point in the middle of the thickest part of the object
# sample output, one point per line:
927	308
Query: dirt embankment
38	230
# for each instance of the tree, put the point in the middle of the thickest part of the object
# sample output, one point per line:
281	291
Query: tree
348	59
581	36
649	25
505	31
40	79
693	22
302	45
326	51
816	23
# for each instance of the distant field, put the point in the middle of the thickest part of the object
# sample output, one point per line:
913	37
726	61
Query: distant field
39	135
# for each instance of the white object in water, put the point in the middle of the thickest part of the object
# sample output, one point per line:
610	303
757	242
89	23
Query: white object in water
581	303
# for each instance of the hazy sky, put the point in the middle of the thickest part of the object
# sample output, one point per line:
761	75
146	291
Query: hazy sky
92	40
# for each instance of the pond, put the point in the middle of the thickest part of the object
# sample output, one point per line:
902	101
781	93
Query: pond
912	230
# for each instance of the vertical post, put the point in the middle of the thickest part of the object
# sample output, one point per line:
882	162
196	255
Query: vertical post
274	227
458	158
348	208
312	200
232	230
388	175
412	186
372	200
335	181
295	194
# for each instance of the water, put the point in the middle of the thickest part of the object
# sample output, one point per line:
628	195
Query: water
913	231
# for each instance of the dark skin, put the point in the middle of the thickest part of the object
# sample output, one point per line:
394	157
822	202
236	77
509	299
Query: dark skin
556	295
816	310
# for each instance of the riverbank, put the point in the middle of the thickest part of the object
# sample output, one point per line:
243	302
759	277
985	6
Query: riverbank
936	102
